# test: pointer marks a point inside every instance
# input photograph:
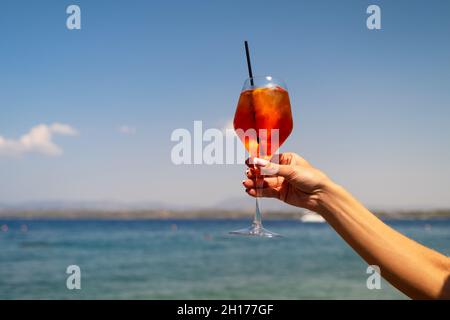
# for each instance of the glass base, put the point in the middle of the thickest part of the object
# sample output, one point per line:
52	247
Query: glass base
255	230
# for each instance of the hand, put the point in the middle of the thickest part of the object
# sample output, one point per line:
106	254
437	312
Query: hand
287	177
414	269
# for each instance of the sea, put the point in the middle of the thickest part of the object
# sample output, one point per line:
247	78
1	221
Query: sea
190	259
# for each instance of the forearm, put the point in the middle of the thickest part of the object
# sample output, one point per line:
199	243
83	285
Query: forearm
415	270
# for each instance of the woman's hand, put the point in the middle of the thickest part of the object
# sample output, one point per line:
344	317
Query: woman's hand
414	269
287	177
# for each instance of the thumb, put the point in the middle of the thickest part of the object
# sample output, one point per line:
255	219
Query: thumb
271	168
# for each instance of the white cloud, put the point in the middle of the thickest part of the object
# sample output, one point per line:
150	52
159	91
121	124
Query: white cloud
124	129
37	140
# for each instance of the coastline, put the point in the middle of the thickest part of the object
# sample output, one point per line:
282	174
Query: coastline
207	214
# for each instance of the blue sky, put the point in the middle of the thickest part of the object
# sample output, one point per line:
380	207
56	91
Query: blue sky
371	108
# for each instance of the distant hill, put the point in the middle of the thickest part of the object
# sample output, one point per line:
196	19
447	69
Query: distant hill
62	205
191	214
233	208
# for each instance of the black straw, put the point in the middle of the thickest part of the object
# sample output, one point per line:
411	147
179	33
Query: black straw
249	64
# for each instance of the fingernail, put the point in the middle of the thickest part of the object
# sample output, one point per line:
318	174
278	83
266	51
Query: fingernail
243	181
260	162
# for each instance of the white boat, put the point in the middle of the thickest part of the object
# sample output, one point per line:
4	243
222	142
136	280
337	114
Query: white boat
311	217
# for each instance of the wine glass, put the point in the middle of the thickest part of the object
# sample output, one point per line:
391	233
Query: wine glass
263	121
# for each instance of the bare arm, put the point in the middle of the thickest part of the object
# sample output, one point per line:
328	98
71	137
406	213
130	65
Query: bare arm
417	271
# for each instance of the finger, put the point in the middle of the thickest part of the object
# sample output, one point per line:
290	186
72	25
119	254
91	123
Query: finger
265	193
248	183
249	162
267	183
250	173
270	168
290	158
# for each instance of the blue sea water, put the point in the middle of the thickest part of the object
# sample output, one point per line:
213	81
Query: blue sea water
190	260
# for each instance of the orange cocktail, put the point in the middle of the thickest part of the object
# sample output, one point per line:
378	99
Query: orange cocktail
263	119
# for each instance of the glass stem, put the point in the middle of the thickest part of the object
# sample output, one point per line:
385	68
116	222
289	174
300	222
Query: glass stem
259	184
